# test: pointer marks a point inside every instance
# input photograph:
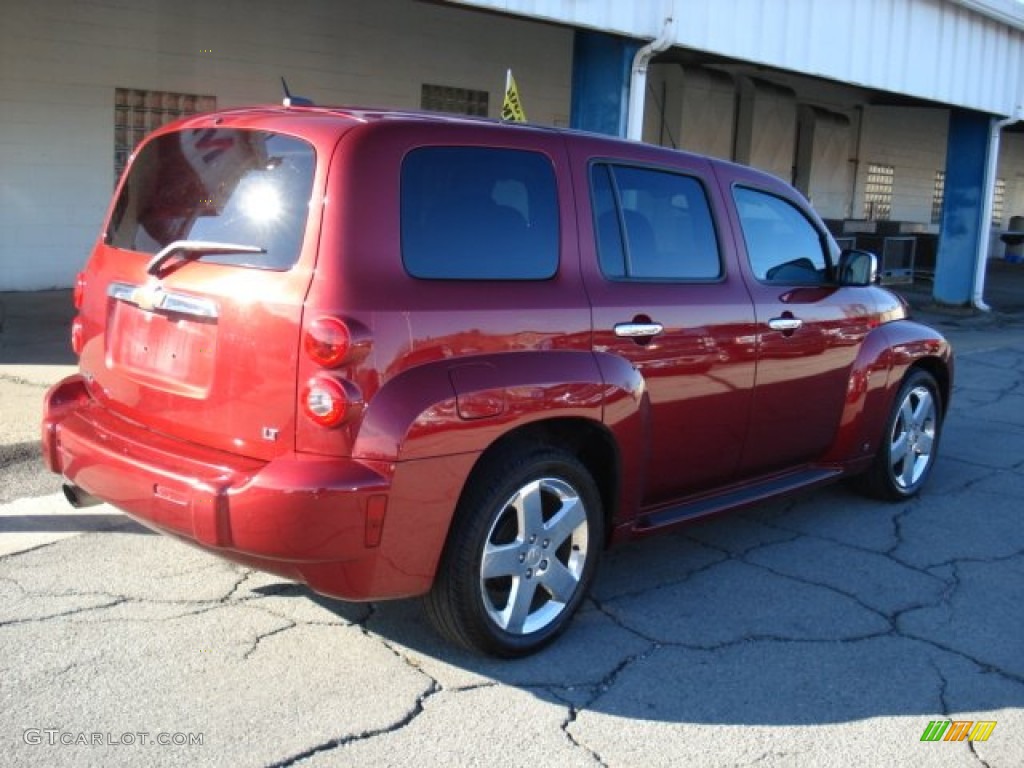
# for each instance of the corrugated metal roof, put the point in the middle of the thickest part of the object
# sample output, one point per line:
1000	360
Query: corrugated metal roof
966	53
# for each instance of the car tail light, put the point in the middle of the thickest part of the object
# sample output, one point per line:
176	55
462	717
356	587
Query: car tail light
77	336
79	292
327	341
325	401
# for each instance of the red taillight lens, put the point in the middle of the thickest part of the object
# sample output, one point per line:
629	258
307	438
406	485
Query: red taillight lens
79	291
327	341
77	336
325	401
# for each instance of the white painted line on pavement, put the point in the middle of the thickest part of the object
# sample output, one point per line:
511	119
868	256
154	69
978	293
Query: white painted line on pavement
31	522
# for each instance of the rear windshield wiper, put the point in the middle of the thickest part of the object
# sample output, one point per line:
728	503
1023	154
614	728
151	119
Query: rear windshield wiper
194	249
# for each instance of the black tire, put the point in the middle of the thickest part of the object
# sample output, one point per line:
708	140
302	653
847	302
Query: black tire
540	565
910	443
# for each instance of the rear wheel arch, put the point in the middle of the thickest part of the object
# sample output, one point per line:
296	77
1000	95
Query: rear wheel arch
482	597
590	442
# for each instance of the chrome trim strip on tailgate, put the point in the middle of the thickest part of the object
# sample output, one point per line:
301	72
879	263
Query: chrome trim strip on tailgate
153	297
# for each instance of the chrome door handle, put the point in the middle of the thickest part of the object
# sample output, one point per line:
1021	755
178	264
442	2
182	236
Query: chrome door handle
785	323
638	330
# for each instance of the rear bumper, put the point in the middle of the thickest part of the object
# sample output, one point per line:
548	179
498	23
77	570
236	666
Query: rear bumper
335	524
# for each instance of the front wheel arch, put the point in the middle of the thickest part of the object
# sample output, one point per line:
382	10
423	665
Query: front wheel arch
909	443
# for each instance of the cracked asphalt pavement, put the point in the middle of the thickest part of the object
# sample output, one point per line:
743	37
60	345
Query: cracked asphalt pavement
821	630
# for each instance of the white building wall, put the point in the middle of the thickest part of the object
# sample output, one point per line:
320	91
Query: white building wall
827	167
692	109
913	141
60	61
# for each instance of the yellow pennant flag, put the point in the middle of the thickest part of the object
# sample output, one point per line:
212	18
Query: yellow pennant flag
512	108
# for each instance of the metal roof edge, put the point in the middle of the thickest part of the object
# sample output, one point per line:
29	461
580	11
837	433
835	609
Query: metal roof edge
1008	12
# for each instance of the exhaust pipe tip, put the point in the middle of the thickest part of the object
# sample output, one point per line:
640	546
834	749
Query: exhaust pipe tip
79	498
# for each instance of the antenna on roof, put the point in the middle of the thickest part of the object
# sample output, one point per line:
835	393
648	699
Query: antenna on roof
294	101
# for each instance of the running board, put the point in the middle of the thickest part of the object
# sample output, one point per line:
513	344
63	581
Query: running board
777	485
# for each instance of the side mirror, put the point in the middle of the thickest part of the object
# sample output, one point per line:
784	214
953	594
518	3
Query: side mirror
857	267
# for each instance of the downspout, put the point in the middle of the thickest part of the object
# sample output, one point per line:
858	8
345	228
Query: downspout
638	78
981	258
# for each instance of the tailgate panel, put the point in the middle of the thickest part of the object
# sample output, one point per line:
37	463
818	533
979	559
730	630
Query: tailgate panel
193	308
174	353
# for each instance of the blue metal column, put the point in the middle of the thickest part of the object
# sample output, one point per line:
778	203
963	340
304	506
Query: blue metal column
601	65
962	231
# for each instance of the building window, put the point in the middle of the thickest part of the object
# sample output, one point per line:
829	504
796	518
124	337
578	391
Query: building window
938	194
461	101
998	198
137	112
878	192
939	191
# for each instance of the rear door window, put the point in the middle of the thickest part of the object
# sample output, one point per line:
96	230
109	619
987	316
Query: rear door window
653	225
479	213
218	184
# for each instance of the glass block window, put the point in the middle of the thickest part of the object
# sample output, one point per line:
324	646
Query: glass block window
878	192
461	101
939	191
137	112
998	199
938	194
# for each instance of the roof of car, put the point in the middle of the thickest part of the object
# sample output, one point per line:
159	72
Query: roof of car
331	119
362	114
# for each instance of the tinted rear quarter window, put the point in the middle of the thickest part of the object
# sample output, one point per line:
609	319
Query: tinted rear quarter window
479	213
224	185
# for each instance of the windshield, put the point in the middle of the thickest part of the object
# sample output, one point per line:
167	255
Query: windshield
221	185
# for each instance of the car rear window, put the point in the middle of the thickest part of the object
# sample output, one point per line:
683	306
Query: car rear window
222	185
479	213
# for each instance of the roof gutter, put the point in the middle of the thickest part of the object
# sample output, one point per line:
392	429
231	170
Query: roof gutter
638	77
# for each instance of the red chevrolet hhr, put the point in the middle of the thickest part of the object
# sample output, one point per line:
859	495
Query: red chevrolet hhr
390	354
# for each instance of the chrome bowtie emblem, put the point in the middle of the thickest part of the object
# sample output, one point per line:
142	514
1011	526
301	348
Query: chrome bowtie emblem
147	296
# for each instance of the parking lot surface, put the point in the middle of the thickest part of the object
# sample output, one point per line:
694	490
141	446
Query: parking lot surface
822	630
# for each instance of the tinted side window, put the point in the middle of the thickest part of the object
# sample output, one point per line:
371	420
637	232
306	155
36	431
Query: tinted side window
653	225
477	213
219	184
782	245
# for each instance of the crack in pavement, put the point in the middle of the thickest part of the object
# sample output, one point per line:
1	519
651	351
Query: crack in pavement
974	753
947	711
572	713
62	614
261	636
403	722
591	692
373	733
769	756
599	689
